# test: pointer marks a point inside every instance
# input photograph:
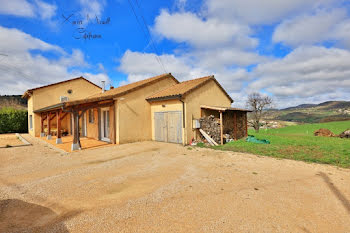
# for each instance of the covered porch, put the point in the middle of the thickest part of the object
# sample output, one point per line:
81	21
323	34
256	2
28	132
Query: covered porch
80	126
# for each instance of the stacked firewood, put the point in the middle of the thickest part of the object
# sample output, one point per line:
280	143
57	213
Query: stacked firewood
211	126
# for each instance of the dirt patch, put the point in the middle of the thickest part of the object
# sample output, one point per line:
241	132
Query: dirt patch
9	140
324	133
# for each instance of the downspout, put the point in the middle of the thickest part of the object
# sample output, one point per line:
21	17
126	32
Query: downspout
183	112
184	134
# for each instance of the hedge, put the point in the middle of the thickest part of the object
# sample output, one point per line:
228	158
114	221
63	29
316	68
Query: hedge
13	121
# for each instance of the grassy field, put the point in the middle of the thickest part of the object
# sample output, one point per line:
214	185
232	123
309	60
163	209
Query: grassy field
299	143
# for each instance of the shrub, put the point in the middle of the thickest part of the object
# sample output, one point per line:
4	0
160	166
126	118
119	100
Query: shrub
13	121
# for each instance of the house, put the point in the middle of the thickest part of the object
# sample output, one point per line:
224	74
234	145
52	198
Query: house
47	96
159	108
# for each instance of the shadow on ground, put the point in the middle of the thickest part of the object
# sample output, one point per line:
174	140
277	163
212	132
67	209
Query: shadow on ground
19	216
340	196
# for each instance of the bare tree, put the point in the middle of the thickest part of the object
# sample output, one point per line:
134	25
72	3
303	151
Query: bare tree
258	103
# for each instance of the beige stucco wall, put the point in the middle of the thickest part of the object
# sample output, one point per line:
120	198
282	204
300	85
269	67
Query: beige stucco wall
50	95
35	121
92	128
209	94
165	106
133	113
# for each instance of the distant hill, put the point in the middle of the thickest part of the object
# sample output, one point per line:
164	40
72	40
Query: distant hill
325	105
334	105
12	101
301	106
313	113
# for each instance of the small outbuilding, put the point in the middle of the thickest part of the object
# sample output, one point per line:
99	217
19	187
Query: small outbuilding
176	111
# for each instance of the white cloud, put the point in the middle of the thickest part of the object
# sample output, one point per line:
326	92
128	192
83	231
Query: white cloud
96	78
92	7
259	12
341	33
45	10
307	72
24	8
139	66
180	4
13	41
188	27
309	29
21	69
17	8
144	65
226	57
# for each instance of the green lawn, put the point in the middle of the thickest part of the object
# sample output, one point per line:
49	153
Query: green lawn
298	143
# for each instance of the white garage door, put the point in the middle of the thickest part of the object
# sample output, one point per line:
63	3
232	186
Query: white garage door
168	126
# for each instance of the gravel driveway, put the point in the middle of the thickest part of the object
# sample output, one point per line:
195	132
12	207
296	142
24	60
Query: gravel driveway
159	187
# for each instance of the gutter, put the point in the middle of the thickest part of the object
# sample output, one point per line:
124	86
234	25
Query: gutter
172	97
52	107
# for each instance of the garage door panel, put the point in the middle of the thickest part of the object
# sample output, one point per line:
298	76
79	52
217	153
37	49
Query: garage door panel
174	127
160	120
168	126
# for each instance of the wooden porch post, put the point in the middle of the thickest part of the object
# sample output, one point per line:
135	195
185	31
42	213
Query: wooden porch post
235	124
42	132
58	118
48	126
76	141
221	129
246	124
112	124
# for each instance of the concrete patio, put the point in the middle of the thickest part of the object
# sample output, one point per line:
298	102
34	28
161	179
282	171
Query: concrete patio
86	143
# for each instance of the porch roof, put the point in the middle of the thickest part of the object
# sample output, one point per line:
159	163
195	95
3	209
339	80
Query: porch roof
224	109
49	108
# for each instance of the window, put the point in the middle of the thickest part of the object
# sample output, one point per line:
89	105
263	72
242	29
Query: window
91	116
31	122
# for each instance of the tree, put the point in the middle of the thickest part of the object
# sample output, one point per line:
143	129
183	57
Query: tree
258	103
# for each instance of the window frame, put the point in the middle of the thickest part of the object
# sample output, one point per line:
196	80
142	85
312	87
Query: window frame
91	116
31	122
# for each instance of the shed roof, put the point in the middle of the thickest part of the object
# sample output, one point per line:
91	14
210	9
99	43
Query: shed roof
224	109
30	91
183	88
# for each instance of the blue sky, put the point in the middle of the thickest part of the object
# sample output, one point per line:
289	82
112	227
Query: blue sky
296	51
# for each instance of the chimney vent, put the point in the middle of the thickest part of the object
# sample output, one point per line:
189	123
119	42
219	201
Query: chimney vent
103	86
111	87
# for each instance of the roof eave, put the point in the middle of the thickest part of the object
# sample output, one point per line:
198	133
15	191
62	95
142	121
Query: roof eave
224	109
171	97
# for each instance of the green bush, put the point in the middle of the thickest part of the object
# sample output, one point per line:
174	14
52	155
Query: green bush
13	121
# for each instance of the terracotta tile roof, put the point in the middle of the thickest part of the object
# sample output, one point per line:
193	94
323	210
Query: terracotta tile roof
183	88
29	91
122	90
